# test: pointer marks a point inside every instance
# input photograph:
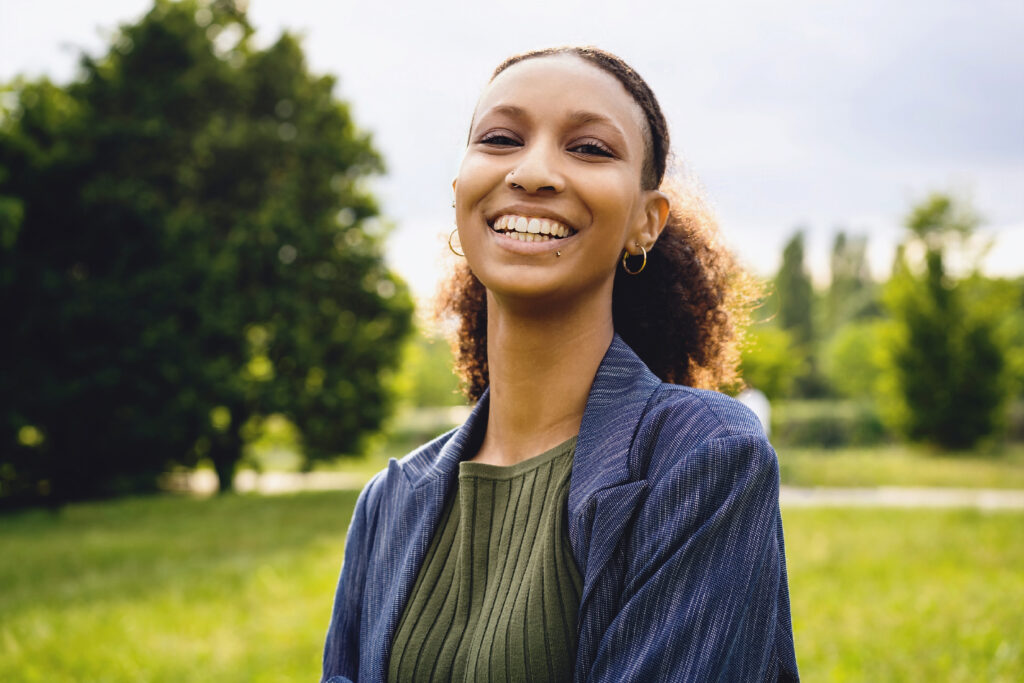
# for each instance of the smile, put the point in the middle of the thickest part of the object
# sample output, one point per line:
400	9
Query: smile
529	229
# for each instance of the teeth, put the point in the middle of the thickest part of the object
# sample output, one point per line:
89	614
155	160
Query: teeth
528	237
521	226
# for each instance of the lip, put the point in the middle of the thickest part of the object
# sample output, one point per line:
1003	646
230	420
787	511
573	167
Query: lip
526	248
518	247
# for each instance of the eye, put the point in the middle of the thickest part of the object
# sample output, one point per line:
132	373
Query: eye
592	148
499	138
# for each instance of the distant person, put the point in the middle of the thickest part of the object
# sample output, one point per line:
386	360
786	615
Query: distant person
596	518
755	399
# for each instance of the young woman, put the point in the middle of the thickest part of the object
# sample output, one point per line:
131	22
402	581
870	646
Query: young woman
598	517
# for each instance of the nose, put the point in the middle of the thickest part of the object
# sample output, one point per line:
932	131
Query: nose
537	170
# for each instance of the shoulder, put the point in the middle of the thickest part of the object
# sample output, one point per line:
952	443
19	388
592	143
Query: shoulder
389	484
683	428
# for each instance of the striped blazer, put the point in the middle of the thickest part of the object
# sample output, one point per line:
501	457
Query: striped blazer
673	521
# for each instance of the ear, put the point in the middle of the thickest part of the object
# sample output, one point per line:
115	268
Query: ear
455	181
650	224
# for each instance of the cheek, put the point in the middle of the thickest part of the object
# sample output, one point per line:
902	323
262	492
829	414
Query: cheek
476	177
612	202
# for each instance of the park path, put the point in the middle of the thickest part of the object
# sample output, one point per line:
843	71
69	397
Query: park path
903	496
271	483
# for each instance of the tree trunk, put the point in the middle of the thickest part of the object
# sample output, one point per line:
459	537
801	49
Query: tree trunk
225	452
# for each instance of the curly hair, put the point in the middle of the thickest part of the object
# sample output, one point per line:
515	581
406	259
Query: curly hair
683	315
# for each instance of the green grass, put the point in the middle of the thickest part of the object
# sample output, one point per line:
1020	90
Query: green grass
901	466
907	595
171	589
239	588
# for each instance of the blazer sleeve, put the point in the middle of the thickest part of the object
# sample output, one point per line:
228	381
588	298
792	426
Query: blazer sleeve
705	595
341	649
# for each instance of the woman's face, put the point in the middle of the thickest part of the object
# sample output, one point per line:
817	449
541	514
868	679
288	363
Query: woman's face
548	194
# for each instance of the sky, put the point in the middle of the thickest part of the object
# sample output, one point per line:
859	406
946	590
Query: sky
789	114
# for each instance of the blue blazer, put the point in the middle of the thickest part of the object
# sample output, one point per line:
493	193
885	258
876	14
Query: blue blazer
673	521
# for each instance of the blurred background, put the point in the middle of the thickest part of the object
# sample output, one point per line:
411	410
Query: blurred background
221	224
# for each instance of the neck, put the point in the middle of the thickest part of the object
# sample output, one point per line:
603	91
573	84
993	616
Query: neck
541	364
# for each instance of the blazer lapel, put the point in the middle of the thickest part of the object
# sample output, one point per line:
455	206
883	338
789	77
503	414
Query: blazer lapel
603	488
410	523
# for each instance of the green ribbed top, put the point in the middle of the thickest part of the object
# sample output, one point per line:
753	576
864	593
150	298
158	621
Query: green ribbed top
497	595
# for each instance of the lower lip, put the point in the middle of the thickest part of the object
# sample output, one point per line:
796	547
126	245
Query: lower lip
519	247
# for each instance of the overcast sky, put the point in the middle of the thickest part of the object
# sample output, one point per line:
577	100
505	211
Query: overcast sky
791	113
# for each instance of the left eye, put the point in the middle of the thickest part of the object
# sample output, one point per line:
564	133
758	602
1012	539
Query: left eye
591	149
499	140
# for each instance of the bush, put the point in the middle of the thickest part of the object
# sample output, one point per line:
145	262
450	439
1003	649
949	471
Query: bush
828	424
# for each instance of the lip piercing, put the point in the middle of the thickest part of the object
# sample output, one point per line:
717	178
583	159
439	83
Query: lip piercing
558	253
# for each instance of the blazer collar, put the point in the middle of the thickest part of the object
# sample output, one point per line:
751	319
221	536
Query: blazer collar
622	387
426	468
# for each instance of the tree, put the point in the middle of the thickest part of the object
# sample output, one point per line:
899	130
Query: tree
796	307
948	367
851	293
192	248
795	293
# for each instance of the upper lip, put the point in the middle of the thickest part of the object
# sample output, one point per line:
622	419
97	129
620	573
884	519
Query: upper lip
530	212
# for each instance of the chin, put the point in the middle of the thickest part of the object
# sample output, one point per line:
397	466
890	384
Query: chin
520	289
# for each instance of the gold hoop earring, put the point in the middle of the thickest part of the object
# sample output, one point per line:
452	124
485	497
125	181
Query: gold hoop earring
450	246
625	266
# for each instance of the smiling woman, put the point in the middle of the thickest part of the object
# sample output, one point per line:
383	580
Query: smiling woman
601	515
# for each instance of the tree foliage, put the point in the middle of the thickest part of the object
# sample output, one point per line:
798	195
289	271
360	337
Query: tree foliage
851	292
771	361
795	292
187	245
949	376
854	361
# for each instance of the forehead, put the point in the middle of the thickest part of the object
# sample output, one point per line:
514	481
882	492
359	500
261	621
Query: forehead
557	83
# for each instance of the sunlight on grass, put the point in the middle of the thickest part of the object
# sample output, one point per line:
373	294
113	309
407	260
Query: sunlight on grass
901	595
228	589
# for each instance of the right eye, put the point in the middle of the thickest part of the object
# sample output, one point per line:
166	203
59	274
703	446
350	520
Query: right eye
499	139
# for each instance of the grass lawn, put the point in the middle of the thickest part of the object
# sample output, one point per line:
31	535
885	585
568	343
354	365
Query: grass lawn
901	465
236	588
239	589
906	595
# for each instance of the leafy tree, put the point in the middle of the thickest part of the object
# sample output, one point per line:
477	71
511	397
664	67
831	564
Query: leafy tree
796	305
187	244
795	293
948	374
851	293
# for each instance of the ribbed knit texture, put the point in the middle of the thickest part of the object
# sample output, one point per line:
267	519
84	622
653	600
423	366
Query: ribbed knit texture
497	596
